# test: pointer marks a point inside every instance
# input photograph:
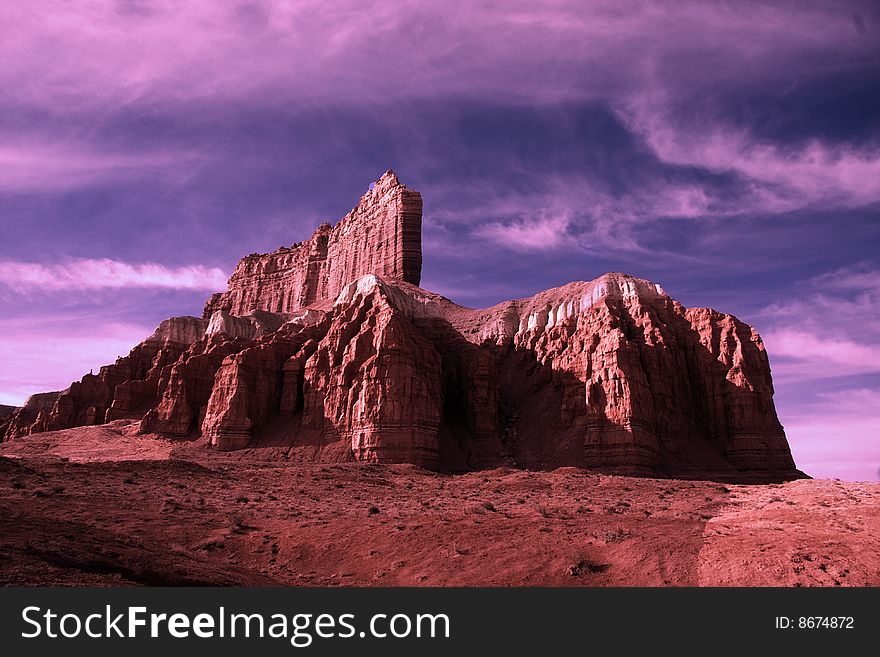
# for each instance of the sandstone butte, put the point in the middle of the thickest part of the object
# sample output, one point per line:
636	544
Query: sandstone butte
330	348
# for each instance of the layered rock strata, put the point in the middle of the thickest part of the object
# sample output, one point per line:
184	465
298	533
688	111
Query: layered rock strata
381	235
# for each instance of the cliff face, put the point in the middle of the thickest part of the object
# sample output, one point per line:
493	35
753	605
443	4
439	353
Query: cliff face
610	374
627	379
381	235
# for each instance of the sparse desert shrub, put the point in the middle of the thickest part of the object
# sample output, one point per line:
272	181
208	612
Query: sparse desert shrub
210	546
553	512
586	566
237	524
615	535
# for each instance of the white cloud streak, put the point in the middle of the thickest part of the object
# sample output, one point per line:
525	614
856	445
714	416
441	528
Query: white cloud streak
800	355
41	167
543	232
92	274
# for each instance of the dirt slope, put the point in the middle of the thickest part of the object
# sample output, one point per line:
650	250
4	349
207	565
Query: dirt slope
103	506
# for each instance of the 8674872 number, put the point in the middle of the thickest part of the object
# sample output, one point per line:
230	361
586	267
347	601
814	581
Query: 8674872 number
815	623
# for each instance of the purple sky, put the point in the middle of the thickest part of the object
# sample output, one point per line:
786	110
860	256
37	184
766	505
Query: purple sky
729	151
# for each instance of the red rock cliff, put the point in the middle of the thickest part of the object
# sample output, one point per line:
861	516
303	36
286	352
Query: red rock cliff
381	235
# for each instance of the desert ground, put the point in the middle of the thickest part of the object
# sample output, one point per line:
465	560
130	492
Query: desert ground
104	506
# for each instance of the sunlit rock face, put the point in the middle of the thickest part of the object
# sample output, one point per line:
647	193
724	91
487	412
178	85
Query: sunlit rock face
638	380
331	349
382	235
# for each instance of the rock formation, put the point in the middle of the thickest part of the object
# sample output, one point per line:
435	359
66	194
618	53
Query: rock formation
331	349
381	235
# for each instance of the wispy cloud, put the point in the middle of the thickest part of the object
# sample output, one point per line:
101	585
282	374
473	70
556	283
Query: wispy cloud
860	278
829	329
799	355
88	274
126	50
35	168
840	304
576	210
544	232
657	64
779	179
824	349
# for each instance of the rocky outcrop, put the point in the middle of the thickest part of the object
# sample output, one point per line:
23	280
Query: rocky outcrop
629	380
257	384
610	374
381	235
127	388
252	325
373	382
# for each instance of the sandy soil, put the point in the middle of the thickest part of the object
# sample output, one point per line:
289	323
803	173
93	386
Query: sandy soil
103	506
